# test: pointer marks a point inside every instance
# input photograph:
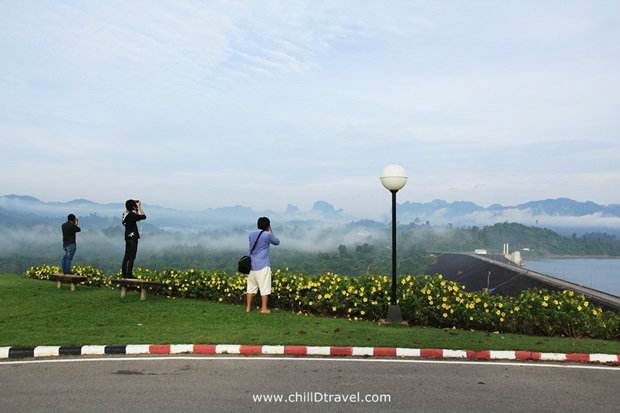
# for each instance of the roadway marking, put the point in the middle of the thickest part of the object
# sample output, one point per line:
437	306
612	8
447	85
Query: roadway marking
314	359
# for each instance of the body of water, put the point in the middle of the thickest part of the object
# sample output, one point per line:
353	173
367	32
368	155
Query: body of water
602	274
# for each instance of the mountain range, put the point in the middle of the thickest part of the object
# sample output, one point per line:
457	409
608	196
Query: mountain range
563	215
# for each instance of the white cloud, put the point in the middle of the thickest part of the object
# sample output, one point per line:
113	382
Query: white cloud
292	102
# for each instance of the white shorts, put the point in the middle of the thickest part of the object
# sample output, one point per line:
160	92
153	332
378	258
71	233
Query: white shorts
260	280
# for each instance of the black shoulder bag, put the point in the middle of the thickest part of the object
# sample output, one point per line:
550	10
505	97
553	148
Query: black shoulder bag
245	263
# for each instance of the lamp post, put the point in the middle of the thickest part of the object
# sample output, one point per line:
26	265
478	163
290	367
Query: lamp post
393	179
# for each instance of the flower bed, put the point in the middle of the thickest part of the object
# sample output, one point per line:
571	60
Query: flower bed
424	300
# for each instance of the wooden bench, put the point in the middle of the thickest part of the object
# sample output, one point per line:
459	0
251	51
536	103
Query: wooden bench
143	285
67	278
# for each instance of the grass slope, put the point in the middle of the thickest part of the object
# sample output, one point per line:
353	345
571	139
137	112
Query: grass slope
36	313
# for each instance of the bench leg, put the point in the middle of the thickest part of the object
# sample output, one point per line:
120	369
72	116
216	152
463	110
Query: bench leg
142	294
72	286
58	284
123	291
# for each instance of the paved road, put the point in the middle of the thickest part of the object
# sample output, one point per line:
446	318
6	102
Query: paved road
228	384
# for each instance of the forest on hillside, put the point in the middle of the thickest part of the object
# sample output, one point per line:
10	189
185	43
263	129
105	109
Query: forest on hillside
370	252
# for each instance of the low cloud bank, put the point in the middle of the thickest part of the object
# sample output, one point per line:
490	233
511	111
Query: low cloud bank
526	217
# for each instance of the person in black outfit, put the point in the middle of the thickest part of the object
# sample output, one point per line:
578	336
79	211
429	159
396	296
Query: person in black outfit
131	216
69	229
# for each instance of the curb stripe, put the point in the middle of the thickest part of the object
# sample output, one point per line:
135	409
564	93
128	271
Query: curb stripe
70	351
115	349
384	352
252	349
204	348
159	349
47	351
227	348
527	355
605	358
480	355
431	353
93	350
455	354
341	351
578	357
502	355
296	350
273	349
249	349
21	352
408	352
553	356
181	348
137	349
363	351
318	351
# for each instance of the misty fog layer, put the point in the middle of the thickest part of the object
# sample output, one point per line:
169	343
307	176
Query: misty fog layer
322	239
562	215
305	239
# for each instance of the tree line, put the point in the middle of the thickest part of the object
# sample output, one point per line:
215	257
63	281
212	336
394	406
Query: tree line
373	256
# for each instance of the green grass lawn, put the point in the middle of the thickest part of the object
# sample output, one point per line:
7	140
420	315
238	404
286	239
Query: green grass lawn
35	312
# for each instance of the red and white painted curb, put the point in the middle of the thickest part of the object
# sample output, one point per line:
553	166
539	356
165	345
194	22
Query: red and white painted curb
53	351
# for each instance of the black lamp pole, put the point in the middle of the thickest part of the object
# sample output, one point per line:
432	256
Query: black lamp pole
394	315
393	247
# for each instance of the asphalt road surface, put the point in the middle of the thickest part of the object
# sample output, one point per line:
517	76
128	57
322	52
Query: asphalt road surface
233	384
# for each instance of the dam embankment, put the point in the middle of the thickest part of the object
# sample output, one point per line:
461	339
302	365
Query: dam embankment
477	272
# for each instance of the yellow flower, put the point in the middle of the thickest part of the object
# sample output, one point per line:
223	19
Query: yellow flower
445	315
333	308
579	308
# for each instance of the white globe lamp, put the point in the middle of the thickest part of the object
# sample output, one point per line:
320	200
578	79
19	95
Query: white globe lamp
393	179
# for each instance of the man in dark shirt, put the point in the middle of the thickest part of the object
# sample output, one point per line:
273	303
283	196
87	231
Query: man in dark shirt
131	216
69	229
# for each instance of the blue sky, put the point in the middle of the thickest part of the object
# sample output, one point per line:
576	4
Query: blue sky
207	104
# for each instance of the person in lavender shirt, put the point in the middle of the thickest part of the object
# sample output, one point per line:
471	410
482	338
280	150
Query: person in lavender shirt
259	278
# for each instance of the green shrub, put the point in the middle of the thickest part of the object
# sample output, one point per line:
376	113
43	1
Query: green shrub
424	300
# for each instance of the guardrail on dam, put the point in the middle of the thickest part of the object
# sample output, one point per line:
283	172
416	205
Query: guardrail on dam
478	272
